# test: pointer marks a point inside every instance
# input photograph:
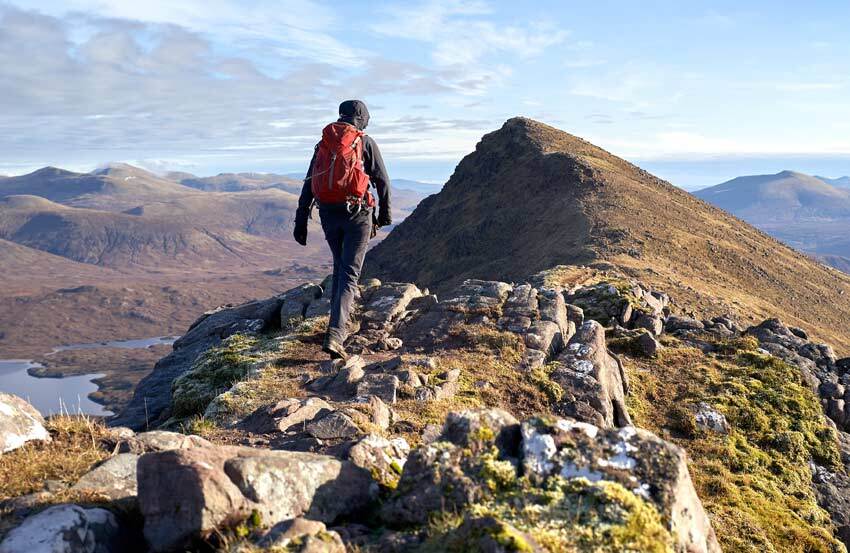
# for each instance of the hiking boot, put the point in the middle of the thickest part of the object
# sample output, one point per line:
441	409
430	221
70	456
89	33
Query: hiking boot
334	348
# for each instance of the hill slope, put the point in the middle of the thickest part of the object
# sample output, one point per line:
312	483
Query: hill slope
808	213
532	196
784	196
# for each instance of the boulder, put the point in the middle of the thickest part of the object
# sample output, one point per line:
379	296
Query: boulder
383	458
647	343
67	529
386	303
682	324
160	440
636	459
593	384
385	386
114	478
651	322
213	486
334	426
434	479
296	302
303	536
520	309
477	297
476	428
545	336
20	423
285	414
709	418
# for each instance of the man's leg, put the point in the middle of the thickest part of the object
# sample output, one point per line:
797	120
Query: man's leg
334	235
354	243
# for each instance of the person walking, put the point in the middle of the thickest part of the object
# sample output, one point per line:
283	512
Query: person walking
344	164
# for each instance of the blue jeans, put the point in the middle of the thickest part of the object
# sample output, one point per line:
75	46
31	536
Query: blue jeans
348	236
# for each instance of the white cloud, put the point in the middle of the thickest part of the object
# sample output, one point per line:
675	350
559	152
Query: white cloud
461	33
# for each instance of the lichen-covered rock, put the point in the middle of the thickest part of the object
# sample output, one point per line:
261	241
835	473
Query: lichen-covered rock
520	309
20	423
115	478
593	384
285	414
709	418
160	440
491	535
478	297
385	386
386	303
383	458
334	426
476	429
433	479
67	529
637	460
213	486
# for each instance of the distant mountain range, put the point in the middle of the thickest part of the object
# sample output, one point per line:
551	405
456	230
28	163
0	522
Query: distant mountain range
809	213
126	218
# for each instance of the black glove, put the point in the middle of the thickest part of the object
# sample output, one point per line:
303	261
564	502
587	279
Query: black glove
300	233
384	218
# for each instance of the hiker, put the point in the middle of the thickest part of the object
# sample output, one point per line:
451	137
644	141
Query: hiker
344	162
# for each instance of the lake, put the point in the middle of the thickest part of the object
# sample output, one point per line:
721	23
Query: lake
50	395
68	394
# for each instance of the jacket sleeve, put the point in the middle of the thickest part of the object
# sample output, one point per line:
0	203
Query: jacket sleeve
373	163
305	201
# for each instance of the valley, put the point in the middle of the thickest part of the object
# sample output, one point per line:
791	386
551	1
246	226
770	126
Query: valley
123	254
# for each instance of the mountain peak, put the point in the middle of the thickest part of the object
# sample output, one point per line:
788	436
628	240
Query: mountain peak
531	196
51	172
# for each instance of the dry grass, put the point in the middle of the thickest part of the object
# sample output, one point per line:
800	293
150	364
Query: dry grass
76	446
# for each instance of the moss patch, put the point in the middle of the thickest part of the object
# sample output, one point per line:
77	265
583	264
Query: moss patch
565	515
755	482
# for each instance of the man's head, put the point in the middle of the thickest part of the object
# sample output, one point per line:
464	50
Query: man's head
354	112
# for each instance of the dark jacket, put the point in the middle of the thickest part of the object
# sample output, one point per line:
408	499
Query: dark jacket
353	112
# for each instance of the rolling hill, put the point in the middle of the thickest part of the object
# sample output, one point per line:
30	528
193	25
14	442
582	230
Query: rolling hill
531	196
840	182
811	214
785	196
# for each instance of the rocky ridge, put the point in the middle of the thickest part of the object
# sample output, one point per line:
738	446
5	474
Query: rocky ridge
410	444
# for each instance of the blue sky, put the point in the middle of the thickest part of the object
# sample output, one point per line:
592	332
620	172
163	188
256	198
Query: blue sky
697	92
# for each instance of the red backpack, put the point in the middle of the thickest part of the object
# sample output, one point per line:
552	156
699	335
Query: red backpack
338	176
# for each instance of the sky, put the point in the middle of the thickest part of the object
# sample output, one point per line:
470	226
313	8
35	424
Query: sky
697	92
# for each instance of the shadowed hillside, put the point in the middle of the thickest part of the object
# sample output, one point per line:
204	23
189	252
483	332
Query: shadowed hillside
532	196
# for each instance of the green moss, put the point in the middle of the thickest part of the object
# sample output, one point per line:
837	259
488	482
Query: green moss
497	474
216	370
578	515
541	377
755	482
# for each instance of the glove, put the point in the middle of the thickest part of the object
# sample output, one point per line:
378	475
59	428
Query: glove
384	218
300	233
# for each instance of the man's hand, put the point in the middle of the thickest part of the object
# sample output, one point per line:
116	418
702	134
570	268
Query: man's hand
300	233
384	218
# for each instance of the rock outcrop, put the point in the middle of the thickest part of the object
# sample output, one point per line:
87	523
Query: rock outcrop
20	423
339	435
68	528
208	487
